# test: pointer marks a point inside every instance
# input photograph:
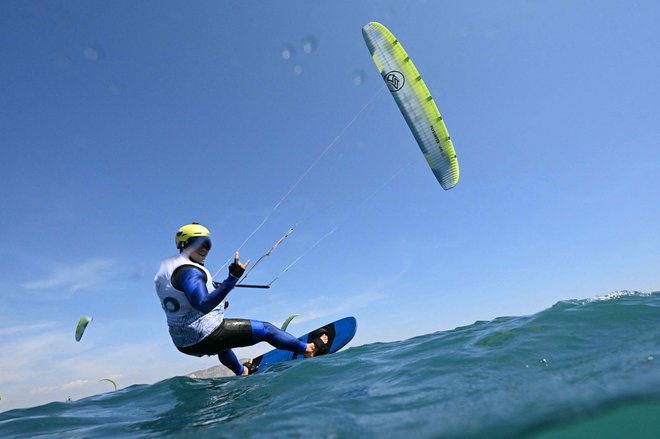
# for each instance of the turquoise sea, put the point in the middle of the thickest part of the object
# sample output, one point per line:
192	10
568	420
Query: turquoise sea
580	369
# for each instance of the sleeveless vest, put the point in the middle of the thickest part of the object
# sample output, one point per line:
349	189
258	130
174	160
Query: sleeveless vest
188	325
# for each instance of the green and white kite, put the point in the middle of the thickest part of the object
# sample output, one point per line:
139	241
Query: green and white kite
415	102
286	322
82	325
111	381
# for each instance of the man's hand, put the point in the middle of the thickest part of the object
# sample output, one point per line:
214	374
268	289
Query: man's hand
237	269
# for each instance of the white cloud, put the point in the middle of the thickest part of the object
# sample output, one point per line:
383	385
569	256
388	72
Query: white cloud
72	384
77	277
25	329
28	356
323	306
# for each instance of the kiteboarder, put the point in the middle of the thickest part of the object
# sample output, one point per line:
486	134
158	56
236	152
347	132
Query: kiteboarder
195	307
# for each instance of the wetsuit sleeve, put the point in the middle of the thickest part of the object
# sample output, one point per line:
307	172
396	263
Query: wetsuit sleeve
191	282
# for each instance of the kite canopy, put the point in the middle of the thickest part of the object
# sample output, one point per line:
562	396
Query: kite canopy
286	322
82	325
414	101
110	380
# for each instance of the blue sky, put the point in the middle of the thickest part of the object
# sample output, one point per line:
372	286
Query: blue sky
123	121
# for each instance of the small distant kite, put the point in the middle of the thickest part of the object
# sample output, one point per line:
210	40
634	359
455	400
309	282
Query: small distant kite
82	325
414	101
288	320
110	380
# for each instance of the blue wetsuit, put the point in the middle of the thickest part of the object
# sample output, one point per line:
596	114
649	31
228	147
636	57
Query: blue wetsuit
231	333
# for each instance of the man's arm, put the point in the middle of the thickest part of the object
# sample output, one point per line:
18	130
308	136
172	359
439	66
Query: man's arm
190	280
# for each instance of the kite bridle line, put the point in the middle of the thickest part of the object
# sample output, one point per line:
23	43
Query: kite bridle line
268	253
350	214
304	174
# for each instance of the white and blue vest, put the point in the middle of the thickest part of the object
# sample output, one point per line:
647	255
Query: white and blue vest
188	325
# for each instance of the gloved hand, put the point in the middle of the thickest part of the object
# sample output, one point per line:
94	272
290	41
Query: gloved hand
237	269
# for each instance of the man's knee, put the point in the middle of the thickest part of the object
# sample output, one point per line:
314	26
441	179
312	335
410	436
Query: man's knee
270	328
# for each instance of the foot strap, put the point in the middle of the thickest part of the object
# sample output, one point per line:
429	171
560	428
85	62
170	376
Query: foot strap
321	347
250	367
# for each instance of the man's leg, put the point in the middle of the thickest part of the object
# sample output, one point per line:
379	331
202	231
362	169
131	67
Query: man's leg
230	361
264	331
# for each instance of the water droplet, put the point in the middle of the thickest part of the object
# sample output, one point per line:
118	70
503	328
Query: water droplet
298	70
309	44
358	78
91	54
62	60
287	53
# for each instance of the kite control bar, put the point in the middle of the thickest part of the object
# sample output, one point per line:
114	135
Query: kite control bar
217	284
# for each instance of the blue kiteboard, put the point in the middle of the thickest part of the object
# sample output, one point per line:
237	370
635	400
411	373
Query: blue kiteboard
339	334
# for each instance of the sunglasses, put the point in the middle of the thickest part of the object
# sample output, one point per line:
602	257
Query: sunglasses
200	241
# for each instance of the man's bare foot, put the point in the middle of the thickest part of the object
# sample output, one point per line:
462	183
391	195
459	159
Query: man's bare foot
311	349
246	368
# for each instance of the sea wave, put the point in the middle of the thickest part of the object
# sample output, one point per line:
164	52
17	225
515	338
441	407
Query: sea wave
581	368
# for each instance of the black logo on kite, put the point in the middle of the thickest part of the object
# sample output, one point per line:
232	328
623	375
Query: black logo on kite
170	304
435	136
394	80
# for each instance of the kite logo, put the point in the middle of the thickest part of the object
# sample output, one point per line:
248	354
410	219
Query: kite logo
170	304
394	80
435	135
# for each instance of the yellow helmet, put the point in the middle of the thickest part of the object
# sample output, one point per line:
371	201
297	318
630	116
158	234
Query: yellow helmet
190	233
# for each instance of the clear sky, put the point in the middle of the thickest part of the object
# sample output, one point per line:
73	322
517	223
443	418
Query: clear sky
122	121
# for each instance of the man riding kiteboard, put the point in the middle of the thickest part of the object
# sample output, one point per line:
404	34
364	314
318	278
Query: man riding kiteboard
195	306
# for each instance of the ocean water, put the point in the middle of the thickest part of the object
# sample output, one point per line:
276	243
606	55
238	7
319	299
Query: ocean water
582	369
